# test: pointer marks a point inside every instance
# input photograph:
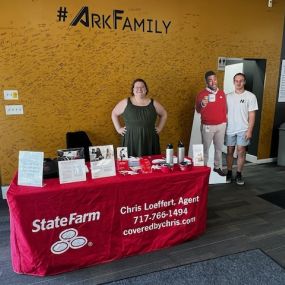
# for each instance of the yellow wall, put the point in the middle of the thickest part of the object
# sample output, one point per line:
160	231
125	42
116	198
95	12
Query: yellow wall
71	78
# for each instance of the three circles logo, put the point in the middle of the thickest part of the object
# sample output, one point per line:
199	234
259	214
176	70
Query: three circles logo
68	239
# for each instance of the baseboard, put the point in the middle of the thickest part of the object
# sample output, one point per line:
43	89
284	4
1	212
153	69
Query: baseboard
4	191
267	160
253	159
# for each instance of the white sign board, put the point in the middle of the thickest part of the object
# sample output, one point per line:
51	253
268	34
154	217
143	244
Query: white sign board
71	171
102	161
30	169
281	96
198	155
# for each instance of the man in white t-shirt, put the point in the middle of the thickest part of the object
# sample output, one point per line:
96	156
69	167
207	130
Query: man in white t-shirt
242	105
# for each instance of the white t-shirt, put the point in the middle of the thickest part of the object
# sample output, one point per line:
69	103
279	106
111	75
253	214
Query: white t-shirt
238	107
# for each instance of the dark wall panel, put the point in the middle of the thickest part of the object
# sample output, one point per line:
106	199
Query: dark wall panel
279	109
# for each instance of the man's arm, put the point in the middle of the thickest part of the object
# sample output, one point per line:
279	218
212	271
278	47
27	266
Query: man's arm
201	102
251	121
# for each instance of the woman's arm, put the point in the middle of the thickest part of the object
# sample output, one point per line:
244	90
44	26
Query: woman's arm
116	113
161	112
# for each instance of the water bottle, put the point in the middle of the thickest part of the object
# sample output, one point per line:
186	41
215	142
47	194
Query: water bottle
180	152
169	154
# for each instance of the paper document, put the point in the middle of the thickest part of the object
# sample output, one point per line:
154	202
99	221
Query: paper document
71	171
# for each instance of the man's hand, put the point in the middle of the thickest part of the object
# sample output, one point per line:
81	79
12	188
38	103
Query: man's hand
205	101
248	134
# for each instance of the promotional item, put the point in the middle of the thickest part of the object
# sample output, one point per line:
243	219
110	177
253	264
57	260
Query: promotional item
180	152
145	165
169	154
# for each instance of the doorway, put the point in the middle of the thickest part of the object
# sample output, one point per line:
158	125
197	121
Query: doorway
254	70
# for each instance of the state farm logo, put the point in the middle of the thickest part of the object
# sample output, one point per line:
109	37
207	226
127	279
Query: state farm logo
68	239
58	222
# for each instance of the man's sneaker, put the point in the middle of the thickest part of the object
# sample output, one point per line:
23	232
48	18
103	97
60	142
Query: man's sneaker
229	178
239	180
219	171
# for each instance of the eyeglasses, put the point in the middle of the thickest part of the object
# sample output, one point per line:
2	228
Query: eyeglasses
139	88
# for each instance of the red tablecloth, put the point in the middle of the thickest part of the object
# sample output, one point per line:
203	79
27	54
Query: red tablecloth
60	228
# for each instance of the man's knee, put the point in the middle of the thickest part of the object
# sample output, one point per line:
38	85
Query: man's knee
230	150
241	151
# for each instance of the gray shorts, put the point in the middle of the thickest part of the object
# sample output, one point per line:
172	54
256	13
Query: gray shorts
236	139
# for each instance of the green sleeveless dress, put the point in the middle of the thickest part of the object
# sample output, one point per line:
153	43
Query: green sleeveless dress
141	138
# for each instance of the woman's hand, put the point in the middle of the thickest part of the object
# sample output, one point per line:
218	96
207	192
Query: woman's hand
122	131
158	130
118	111
161	112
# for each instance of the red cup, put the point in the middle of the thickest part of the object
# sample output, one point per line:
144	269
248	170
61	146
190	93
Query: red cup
183	166
164	168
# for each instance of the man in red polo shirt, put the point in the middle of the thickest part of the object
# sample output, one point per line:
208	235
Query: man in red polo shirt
211	104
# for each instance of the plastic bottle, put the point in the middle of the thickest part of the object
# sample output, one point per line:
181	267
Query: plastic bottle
169	154
180	152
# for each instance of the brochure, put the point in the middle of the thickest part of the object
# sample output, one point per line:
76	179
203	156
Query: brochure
198	155
71	171
30	170
102	161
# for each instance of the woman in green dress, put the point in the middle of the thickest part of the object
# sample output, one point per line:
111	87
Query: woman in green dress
140	133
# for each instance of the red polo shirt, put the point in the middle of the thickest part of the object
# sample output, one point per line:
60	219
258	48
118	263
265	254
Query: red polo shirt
214	113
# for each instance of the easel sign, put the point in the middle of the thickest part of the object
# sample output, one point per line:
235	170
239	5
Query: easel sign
30	169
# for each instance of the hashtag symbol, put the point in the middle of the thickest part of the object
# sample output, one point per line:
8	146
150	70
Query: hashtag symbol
62	14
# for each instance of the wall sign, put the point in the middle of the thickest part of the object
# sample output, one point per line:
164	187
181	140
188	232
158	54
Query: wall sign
117	20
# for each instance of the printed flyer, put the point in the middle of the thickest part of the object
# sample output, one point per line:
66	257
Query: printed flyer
102	161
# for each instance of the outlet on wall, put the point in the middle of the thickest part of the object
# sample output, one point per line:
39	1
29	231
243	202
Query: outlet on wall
11	95
14	109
